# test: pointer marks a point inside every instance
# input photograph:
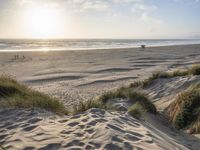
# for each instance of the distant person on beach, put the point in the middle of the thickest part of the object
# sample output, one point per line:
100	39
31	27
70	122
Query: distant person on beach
143	46
17	57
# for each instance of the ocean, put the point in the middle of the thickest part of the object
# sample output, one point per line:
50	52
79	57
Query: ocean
85	44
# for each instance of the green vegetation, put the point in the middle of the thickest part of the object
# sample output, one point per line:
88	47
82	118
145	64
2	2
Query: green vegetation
136	110
194	70
84	106
184	112
130	94
16	95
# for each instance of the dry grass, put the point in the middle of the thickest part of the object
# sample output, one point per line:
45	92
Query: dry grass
194	70
15	95
84	106
130	94
136	110
184	112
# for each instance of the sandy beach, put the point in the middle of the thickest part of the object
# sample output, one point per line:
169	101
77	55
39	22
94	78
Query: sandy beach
74	76
80	75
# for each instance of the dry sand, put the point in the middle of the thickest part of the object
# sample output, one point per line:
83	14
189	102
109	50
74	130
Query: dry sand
79	75
94	129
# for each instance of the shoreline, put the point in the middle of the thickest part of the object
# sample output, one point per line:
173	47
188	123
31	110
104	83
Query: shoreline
94	49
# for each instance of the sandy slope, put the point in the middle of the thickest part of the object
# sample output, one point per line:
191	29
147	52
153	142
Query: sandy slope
94	129
99	129
163	91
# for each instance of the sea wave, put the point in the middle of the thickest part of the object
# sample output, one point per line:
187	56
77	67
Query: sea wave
86	44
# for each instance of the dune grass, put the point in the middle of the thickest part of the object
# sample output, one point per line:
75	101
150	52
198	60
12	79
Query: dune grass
84	106
184	112
15	95
194	70
136	110
132	95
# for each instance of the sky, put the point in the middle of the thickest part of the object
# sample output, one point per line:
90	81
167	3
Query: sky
128	19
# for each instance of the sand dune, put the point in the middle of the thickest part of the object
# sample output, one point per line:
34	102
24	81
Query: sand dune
163	91
74	76
94	129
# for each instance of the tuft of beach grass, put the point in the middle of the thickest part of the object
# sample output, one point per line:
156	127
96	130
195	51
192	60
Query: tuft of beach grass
132	95
184	112
16	95
193	70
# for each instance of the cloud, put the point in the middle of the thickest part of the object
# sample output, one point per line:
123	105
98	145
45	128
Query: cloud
143	8
127	1
95	5
146	18
87	5
195	1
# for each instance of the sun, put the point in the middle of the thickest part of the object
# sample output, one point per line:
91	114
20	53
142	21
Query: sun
43	22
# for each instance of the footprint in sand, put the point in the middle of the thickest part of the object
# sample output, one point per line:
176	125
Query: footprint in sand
89	147
120	122
25	125
112	146
52	146
115	128
90	131
81	126
88	126
65	132
72	124
84	120
29	148
30	128
101	120
94	116
92	123
74	143
135	134
79	134
63	121
34	120
131	137
150	141
128	146
117	139
75	117
96	145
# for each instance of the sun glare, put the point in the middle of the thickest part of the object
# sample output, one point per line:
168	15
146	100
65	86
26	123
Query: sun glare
43	23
